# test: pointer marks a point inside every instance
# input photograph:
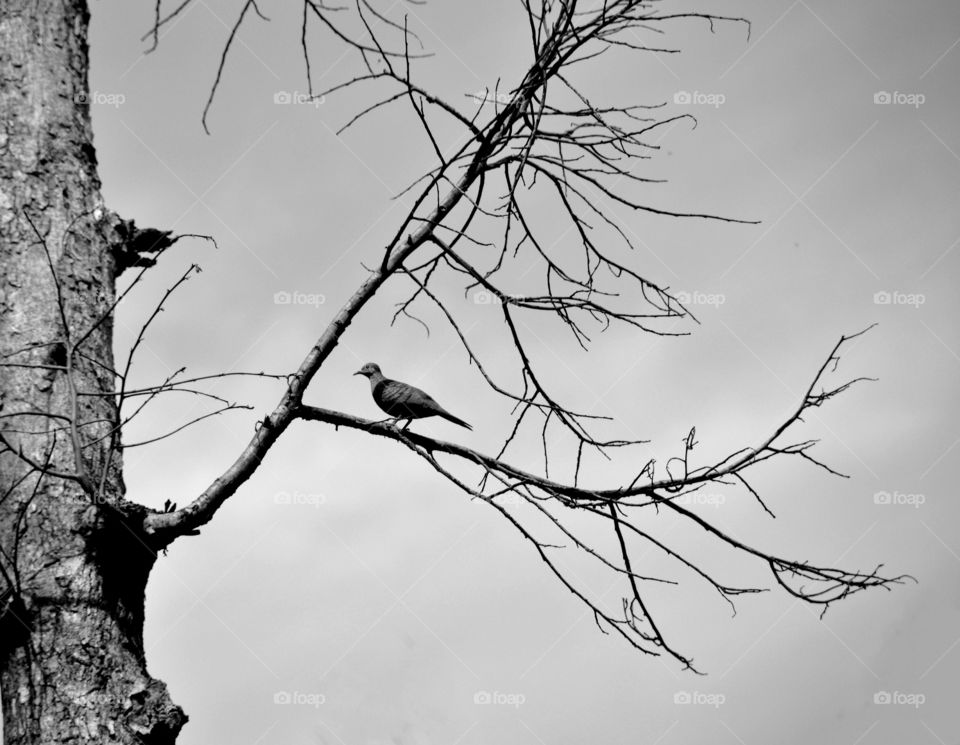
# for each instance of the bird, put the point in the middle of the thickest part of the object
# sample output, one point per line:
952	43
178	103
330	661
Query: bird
403	401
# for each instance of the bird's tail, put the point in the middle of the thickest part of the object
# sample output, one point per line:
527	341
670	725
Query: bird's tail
447	415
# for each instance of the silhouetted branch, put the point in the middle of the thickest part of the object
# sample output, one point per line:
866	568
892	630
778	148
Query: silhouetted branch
539	147
812	584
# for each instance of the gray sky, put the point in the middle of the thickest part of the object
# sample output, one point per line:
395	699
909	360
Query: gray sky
386	600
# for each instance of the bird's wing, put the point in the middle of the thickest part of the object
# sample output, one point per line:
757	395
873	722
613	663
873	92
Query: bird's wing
408	402
403	400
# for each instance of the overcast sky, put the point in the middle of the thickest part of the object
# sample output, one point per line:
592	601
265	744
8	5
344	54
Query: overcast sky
383	601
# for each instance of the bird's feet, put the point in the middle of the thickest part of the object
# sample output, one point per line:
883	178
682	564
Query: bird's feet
393	422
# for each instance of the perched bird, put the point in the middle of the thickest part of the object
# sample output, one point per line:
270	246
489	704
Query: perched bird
402	401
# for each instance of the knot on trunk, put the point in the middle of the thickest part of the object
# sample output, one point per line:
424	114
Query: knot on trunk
152	715
132	246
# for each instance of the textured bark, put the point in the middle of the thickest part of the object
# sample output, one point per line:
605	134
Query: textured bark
74	561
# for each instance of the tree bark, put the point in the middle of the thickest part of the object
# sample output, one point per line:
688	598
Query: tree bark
74	560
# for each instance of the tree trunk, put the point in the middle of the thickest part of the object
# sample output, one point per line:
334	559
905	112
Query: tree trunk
74	560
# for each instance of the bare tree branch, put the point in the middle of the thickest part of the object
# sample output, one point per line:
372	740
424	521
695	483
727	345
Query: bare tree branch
471	218
813	584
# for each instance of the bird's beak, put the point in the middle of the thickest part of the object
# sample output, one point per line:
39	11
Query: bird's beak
359	372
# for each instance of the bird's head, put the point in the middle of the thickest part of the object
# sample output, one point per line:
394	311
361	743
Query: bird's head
369	370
